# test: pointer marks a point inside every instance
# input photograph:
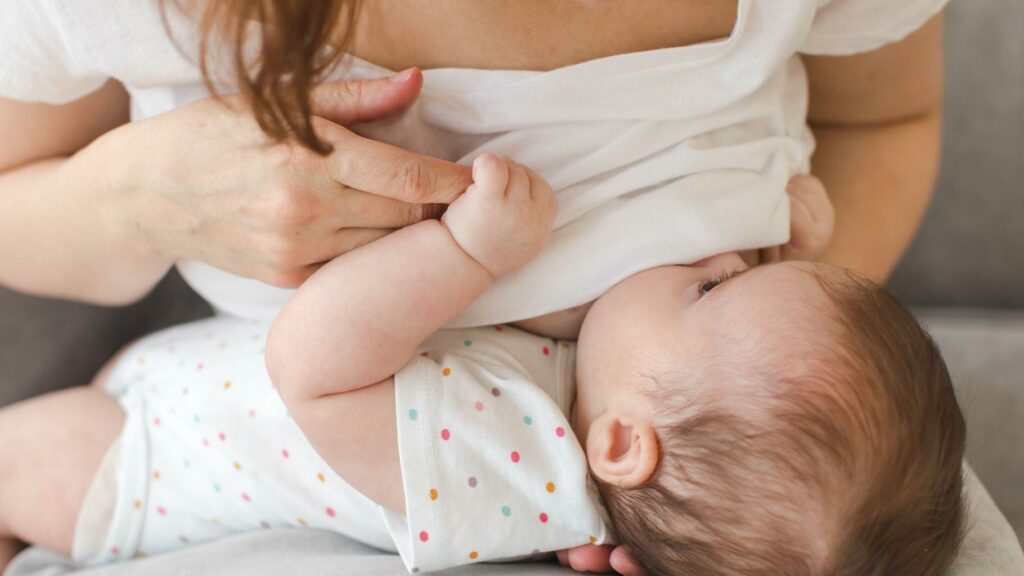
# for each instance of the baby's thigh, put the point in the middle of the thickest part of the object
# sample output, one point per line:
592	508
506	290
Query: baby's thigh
50	449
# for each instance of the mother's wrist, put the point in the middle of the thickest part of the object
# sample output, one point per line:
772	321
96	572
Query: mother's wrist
109	176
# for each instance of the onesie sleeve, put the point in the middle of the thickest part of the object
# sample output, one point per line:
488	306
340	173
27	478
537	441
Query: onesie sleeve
490	467
844	27
36	64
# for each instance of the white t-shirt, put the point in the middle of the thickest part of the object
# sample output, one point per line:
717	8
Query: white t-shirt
658	157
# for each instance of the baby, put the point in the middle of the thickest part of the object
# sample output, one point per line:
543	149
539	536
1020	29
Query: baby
792	419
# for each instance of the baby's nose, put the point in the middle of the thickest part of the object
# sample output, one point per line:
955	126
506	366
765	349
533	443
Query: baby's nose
725	262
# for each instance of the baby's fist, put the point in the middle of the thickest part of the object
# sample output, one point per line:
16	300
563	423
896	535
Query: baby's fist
504	218
811	222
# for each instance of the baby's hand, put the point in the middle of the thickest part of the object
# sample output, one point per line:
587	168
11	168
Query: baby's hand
811	221
504	218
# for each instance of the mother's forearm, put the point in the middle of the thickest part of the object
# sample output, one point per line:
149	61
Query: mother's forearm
880	179
61	236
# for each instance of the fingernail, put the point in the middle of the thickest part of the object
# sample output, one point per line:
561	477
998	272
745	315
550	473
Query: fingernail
402	76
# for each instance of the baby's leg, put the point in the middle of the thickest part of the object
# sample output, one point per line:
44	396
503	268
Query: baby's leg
50	449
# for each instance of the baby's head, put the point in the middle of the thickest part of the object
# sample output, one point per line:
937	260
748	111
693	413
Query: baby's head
794	420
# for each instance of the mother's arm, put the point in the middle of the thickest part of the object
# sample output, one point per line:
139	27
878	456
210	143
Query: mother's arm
877	118
52	239
96	210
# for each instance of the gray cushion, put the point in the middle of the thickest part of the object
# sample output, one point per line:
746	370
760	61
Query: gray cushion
970	251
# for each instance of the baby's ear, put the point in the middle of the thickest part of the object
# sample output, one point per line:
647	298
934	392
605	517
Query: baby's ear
622	451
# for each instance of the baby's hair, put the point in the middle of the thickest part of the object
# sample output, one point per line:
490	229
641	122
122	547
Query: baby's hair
848	463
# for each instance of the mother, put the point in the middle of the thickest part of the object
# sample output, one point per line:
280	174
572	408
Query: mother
96	209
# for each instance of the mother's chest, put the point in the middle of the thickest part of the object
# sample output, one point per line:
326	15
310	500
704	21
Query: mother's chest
530	34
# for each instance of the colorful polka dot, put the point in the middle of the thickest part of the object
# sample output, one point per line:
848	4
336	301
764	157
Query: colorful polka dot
161	510
506	511
473	555
302	522
252	413
223	437
495	392
156	421
156	474
550	487
137	504
472	481
227	385
320	476
330	512
527	420
246	497
467	343
498	328
114	551
446	372
560	432
445	434
413	414
433	493
199	366
515	457
479	406
285	454
547	351
593	539
424	536
216	487
264	524
238	466
543	518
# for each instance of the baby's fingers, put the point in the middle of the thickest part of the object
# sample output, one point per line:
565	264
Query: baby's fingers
491	174
809	192
518	183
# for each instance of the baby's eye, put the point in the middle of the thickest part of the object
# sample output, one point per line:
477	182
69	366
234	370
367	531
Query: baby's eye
708	286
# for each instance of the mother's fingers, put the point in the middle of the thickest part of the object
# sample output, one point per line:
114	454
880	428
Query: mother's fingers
351	207
622	561
390	171
353	101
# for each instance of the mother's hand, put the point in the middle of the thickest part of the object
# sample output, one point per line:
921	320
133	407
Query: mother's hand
600	559
203	182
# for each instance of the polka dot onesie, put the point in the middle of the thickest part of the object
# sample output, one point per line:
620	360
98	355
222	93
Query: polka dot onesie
490	467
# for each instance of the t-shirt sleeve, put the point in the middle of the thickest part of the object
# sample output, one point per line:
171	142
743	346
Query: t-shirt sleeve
844	27
36	63
490	467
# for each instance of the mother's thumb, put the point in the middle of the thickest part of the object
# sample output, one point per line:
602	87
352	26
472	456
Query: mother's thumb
354	101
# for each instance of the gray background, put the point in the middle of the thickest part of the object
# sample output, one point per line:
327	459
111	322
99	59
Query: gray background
964	274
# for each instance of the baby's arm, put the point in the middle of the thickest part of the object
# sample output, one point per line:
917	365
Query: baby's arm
360	318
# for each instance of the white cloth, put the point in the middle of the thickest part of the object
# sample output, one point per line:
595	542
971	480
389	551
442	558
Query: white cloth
490	467
208	450
658	157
